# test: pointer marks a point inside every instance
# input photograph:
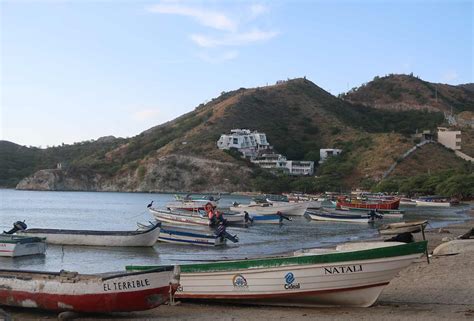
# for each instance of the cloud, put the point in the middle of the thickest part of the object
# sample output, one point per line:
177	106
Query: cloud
209	18
146	114
233	39
226	56
257	9
449	76
231	30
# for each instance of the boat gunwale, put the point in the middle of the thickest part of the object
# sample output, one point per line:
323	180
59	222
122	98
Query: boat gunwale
89	232
101	276
357	255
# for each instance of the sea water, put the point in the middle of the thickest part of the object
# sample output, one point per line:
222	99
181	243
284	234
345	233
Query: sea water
122	211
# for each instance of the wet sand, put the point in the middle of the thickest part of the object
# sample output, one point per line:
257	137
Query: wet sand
441	290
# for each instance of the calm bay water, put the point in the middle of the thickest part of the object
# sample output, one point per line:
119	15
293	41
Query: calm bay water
121	211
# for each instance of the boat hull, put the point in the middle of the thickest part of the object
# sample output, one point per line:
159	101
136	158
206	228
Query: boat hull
190	237
348	278
290	209
182	218
338	218
66	291
433	204
385	205
97	238
14	246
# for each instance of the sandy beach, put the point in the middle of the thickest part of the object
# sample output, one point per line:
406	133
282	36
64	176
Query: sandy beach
441	290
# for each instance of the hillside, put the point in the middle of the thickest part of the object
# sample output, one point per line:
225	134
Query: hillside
430	158
406	92
298	117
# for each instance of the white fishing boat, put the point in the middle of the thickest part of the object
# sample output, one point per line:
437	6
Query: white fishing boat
331	217
351	275
291	209
193	217
92	293
180	235
403	227
435	201
268	219
15	245
405	201
146	237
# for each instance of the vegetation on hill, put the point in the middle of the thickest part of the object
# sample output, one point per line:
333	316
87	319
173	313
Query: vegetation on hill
17	162
409	92
298	117
453	183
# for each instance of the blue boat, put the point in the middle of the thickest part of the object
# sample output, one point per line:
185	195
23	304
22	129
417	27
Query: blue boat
181	235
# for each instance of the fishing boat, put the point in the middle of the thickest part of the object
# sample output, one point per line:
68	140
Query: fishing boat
15	245
190	203
193	236
368	205
387	214
92	293
407	201
177	235
436	201
402	227
351	275
328	216
268	219
146	237
194	217
291	209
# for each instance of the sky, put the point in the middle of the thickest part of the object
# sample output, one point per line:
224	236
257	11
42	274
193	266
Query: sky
77	70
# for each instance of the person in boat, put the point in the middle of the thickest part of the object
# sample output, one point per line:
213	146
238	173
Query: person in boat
213	214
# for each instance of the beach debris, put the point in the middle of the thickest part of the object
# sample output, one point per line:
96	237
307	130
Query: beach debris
446	239
443	230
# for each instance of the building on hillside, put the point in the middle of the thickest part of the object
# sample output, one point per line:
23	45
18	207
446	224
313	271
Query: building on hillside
271	161
449	138
279	162
328	152
300	167
255	146
247	142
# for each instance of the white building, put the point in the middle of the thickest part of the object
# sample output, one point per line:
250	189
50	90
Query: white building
449	138
300	167
278	161
245	141
271	161
328	152
254	145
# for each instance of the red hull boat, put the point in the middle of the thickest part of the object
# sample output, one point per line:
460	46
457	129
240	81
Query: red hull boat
96	293
357	204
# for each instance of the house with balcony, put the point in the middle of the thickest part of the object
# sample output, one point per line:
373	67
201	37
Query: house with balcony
255	146
245	141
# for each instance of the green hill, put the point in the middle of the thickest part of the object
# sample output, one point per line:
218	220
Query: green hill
298	117
406	92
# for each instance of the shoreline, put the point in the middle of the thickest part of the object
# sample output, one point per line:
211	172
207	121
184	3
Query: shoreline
441	290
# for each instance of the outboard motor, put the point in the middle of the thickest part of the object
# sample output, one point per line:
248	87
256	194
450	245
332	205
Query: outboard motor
282	217
373	216
247	218
17	226
220	231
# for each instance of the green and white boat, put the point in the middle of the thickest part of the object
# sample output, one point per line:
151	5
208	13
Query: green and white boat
14	245
352	274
